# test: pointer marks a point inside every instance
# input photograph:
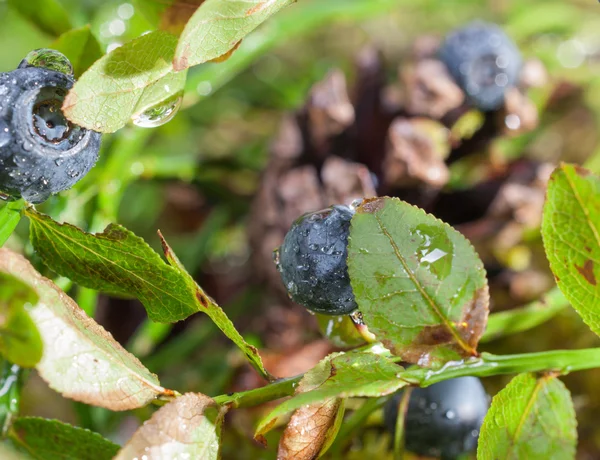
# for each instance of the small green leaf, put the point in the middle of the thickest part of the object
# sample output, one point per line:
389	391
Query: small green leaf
124	84
20	340
343	375
47	15
217	27
188	427
114	261
10	215
530	418
419	283
81	47
53	440
81	360
571	234
217	315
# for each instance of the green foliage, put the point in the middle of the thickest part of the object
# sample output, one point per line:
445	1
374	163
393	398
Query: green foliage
125	83
48	15
81	47
531	418
54	440
419	283
20	341
217	27
571	231
10	215
114	261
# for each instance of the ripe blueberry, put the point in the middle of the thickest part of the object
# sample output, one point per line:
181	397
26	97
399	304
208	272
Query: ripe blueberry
41	152
483	61
442	420
312	261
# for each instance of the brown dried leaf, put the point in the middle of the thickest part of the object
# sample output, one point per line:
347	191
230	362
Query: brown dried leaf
311	430
345	181
81	360
416	151
430	90
188	427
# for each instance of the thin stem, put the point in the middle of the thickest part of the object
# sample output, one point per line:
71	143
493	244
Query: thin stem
562	361
400	422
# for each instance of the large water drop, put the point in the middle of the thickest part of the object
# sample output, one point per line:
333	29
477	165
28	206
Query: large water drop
48	59
159	114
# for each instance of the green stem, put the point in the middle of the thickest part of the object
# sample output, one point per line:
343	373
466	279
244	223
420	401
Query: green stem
10	215
522	319
562	361
11	381
399	431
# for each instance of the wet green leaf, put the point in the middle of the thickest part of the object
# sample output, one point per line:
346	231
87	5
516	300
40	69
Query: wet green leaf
218	26
188	427
20	340
81	360
530	418
10	215
419	284
114	261
81	47
122	85
207	305
47	15
343	375
45	439
571	233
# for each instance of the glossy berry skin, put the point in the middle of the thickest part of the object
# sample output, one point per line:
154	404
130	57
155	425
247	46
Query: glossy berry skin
442	420
483	61
41	152
312	261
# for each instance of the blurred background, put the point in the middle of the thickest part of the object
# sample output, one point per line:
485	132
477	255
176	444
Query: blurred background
312	110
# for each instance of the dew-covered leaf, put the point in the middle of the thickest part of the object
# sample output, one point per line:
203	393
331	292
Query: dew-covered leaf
81	47
207	305
81	360
571	233
115	261
188	427
342	375
45	439
20	340
530	418
218	26
418	282
47	15
127	82
311	430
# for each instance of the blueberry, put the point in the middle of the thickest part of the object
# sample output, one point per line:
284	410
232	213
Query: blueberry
312	261
41	152
483	61
442	420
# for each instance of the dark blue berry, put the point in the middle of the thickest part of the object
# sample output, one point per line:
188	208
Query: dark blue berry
442	420
483	61
41	152
312	261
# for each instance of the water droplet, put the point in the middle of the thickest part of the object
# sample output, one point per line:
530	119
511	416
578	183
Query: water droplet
48	59
450	415
355	204
5	137
313	247
159	114
435	250
59	161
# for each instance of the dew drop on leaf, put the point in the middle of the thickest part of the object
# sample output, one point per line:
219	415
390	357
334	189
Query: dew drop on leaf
48	59
159	114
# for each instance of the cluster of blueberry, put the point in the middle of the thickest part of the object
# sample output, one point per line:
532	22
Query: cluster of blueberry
41	151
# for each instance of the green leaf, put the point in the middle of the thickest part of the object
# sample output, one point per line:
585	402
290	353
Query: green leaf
218	26
571	234
20	340
45	439
419	284
217	315
81	360
114	261
189	427
530	418
47	15
10	215
343	375
81	47
135	78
